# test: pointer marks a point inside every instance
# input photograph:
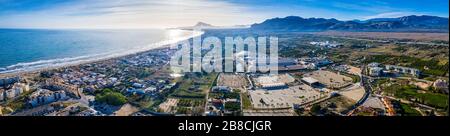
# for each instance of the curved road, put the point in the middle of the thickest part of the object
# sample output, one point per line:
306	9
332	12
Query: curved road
367	90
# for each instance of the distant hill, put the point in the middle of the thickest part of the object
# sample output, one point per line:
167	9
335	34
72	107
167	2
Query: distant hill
202	25
406	23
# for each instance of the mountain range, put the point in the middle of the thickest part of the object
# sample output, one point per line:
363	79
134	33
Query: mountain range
406	23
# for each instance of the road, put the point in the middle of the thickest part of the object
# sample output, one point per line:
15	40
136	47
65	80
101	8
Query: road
367	90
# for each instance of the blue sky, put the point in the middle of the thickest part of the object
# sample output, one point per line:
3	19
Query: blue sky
173	13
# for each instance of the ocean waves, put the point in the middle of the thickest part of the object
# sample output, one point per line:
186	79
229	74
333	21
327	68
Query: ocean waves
61	62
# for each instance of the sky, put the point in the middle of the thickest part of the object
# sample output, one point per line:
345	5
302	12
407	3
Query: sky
176	13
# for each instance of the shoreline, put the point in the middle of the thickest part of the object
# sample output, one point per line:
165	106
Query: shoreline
39	70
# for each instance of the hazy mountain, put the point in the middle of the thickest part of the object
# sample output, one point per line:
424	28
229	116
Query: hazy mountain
381	19
202	25
406	23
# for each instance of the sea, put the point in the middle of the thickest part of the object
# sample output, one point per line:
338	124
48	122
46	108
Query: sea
31	49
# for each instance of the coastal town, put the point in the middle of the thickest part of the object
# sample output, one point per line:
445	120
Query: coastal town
143	84
224	67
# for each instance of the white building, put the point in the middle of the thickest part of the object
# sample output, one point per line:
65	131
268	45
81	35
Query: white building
2	96
151	89
310	81
374	64
44	96
16	90
274	86
138	85
13	92
404	70
224	89
375	71
327	44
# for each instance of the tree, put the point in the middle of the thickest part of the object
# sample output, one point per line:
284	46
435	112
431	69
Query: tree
111	98
316	109
232	106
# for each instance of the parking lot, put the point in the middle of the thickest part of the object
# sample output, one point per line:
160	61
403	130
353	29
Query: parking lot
330	79
285	98
236	81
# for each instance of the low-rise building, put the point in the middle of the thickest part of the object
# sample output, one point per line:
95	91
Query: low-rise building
224	89
14	91
151	89
326	44
136	91
441	85
7	81
403	70
310	81
284	62
274	86
2	96
44	96
138	85
374	64
273	82
316	62
58	84
375	71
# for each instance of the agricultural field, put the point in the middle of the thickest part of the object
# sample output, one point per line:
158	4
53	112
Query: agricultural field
390	35
413	93
194	85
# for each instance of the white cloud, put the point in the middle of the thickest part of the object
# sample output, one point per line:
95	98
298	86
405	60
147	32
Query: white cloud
133	14
391	15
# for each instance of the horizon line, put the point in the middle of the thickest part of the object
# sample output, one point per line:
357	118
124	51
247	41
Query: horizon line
131	28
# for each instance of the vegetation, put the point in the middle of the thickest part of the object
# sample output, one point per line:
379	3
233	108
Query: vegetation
194	85
110	97
431	66
19	102
246	103
233	106
409	92
220	95
148	102
183	110
316	109
407	110
355	78
190	102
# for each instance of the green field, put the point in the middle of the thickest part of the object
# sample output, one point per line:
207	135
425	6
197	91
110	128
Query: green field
431	66
217	95
246	103
410	92
194	85
190	102
407	110
233	106
111	97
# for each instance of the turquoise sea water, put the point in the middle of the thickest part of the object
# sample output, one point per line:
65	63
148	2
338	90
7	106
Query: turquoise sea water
28	49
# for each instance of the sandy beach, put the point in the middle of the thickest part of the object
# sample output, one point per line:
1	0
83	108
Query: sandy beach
39	70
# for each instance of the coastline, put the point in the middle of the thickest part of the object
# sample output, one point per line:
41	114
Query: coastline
38	70
162	45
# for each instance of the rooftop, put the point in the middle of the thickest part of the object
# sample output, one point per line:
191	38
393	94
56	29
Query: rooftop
310	80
